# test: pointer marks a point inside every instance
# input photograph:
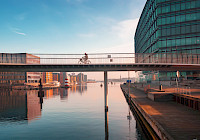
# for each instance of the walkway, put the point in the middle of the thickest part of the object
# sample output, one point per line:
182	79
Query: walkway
180	122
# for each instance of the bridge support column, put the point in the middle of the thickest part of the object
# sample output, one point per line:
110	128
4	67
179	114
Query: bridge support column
106	90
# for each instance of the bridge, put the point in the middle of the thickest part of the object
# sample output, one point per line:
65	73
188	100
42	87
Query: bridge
100	62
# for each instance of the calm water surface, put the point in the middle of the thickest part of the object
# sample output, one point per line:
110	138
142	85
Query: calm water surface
72	114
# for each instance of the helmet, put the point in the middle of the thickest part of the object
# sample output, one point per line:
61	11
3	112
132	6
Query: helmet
85	53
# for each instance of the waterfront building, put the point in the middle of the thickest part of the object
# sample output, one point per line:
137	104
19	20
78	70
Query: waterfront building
80	78
47	77
73	79
63	76
169	28
56	76
19	78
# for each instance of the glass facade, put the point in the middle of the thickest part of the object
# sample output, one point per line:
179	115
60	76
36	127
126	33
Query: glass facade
169	26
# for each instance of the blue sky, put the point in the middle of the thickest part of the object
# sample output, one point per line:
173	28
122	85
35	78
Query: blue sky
68	26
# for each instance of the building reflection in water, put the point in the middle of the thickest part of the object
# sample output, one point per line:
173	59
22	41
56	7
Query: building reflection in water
18	105
80	88
48	93
73	88
21	105
64	93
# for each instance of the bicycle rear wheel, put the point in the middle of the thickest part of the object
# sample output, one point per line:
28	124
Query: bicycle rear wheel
88	62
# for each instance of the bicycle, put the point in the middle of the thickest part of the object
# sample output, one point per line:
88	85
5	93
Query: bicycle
83	61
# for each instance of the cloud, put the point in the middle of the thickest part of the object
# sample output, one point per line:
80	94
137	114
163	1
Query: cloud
121	48
17	31
88	35
20	33
125	30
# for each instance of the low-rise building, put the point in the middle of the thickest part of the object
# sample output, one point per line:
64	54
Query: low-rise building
19	78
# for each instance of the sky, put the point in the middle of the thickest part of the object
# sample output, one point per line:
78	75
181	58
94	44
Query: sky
68	26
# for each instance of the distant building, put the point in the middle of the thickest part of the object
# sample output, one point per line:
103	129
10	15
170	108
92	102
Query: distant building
47	77
85	78
91	80
80	78
56	76
63	76
19	78
73	79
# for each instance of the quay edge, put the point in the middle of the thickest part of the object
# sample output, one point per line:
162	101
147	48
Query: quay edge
151	127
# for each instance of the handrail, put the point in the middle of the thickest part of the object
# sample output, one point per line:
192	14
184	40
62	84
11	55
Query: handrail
101	58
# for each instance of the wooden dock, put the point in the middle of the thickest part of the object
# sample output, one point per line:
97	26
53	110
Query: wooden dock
168	119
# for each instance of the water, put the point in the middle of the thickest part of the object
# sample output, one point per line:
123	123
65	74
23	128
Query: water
72	114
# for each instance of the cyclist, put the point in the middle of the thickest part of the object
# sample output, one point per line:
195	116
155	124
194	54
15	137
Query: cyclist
86	57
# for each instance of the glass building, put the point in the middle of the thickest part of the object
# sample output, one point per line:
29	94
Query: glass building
169	27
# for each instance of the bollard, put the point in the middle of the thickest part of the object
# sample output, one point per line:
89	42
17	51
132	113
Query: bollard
160	87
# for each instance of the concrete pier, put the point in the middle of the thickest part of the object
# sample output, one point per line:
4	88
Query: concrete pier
169	120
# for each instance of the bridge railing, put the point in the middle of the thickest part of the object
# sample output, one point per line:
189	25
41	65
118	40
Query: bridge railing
102	58
168	58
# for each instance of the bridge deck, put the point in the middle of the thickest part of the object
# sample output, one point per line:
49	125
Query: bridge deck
10	67
179	121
